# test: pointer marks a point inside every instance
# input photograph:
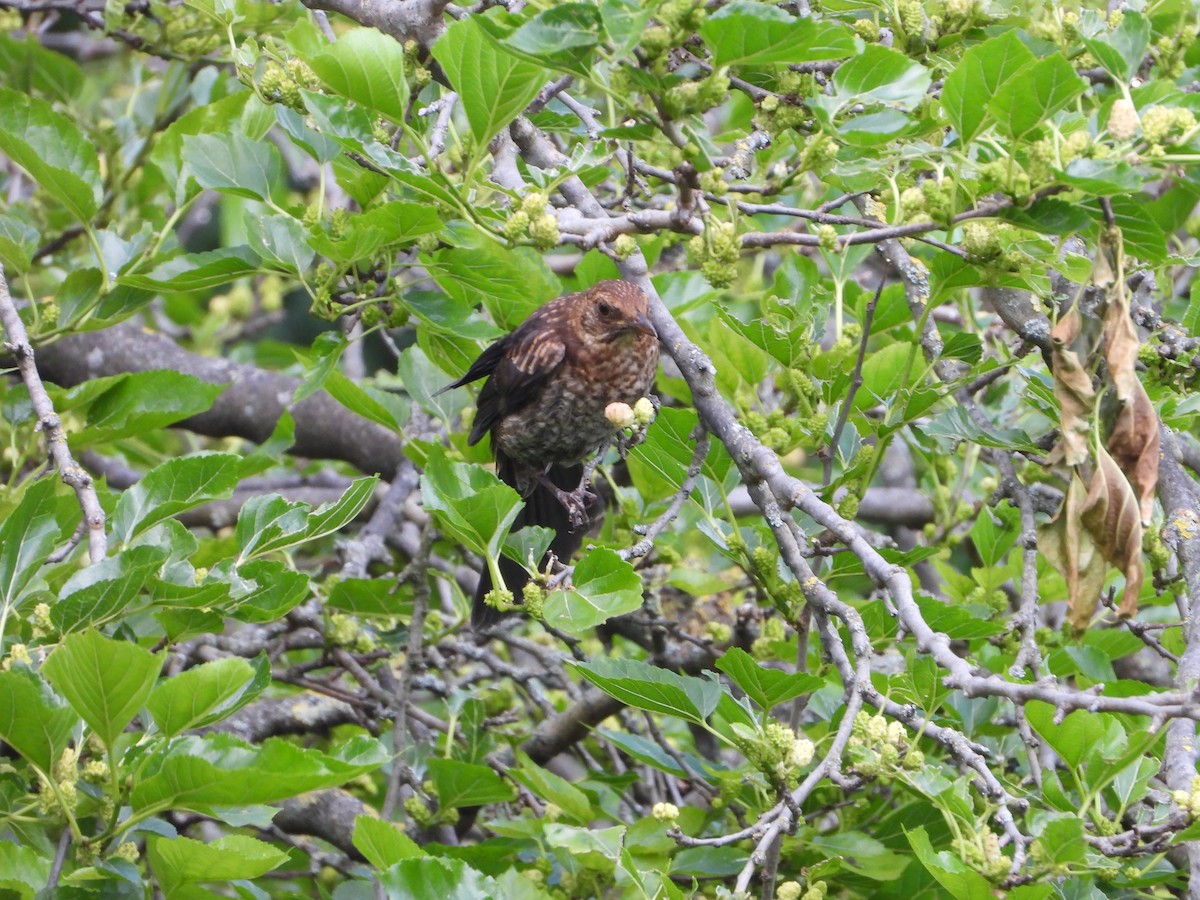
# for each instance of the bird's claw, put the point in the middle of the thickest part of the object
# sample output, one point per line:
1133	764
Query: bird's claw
576	504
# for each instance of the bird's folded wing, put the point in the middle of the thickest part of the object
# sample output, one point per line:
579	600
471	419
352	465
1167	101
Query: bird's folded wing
518	378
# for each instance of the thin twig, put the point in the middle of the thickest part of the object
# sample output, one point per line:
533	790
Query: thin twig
646	544
856	382
56	439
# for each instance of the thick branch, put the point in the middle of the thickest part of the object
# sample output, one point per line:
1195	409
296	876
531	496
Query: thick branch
249	407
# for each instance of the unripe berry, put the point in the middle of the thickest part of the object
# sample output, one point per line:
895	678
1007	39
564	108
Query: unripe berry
544	231
665	812
1123	119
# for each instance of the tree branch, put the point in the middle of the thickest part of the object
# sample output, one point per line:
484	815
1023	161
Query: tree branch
249	407
70	471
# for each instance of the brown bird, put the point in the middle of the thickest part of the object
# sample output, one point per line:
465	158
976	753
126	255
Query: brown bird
549	382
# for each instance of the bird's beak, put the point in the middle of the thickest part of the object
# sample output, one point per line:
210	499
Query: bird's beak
642	324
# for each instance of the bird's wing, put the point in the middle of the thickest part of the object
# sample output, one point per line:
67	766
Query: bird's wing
533	353
483	366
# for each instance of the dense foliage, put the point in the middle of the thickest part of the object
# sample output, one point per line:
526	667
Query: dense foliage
892	596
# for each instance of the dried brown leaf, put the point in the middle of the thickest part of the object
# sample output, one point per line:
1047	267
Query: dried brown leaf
1104	267
1098	525
1073	388
1134	445
1120	344
1069	547
1115	524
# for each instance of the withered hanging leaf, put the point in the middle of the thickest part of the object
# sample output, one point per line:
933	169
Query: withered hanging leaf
1098	525
1134	444
1070	549
1120	343
1105	264
1112	518
1073	388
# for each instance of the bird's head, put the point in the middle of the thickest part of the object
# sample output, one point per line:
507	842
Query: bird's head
613	311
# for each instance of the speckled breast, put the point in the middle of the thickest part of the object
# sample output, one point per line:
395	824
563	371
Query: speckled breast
567	423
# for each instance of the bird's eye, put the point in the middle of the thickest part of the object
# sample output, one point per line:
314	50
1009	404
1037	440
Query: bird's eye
604	309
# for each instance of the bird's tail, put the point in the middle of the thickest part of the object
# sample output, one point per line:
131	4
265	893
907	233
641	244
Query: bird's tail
541	508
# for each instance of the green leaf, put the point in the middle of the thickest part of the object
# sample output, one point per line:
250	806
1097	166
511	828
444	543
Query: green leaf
197	271
1141	233
950	273
596	849
709	862
980	72
493	86
53	151
786	345
28	67
1034	94
471	504
655	690
963	882
883	373
268	523
995	531
366	66
102	591
882	75
1122	50
603	586
1102	176
955	621
280	241
954	424
742	33
963	345
18	242
172	487
104	680
267	590
383	843
23	870
553	789
1072	738
382	226
320	147
206	693
233	164
371	597
1061	842
660	463
33	721
218	116
27	536
217	770
862	854
230	858
1049	216
511	282
564	26
123	406
649	752
766	687
460	784
502	29
357	400
78	295
438	878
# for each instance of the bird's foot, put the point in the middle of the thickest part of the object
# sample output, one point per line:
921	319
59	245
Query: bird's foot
575	502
